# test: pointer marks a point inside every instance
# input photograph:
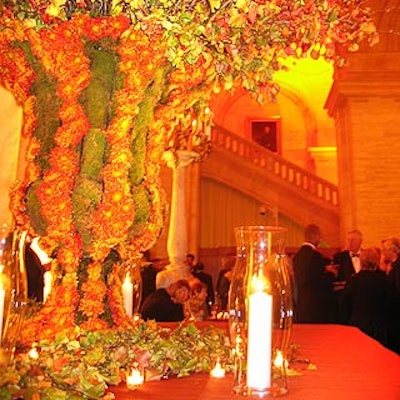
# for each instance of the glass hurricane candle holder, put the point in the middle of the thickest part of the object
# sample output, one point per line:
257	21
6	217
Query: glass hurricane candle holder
13	290
132	287
260	312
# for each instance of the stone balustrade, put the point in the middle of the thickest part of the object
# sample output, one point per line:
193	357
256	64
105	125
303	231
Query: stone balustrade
273	163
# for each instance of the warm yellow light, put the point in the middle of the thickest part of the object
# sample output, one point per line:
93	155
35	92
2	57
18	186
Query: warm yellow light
135	379
258	284
218	371
279	360
312	78
33	353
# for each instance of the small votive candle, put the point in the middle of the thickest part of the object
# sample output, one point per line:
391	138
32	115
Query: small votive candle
33	353
135	379
279	360
136	317
218	371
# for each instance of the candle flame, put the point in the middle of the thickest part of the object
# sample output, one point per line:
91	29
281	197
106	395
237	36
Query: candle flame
135	379
218	371
33	353
127	278
259	283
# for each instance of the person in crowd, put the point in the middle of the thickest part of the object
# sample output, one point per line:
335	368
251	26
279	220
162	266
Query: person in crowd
391	262
224	282
314	275
198	300
367	299
199	273
166	304
391	257
348	263
384	265
148	273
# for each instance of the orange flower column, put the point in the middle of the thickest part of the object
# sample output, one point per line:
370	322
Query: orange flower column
91	190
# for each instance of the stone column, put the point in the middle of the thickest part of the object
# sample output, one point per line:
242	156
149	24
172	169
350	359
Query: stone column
365	103
177	234
193	208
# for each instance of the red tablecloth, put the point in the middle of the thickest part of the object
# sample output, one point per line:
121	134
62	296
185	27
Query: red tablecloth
350	366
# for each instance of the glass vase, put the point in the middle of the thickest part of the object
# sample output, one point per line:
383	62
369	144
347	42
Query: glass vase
132	287
13	290
260	312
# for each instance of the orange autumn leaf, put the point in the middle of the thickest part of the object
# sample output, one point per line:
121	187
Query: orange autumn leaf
60	363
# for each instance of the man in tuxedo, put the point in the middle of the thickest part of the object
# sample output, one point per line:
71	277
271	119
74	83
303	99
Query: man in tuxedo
148	273
348	261
314	276
348	264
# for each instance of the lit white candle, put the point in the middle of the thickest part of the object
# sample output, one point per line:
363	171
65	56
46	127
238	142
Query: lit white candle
135	379
127	291
48	283
218	371
2	298
21	248
43	256
259	341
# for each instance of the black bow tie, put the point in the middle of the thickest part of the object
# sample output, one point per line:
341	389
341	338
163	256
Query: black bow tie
355	255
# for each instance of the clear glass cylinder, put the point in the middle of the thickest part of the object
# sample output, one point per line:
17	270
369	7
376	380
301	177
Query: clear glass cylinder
132	287
260	312
13	290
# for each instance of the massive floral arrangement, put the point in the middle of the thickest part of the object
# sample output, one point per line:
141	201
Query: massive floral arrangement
106	87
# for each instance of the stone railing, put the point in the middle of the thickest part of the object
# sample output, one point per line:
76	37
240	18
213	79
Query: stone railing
274	164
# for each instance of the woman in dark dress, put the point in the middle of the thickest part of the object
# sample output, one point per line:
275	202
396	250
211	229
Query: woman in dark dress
367	300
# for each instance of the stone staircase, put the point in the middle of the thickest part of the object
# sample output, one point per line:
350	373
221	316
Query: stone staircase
269	178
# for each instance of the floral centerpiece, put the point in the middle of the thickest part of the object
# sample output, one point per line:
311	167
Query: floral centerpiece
106	87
